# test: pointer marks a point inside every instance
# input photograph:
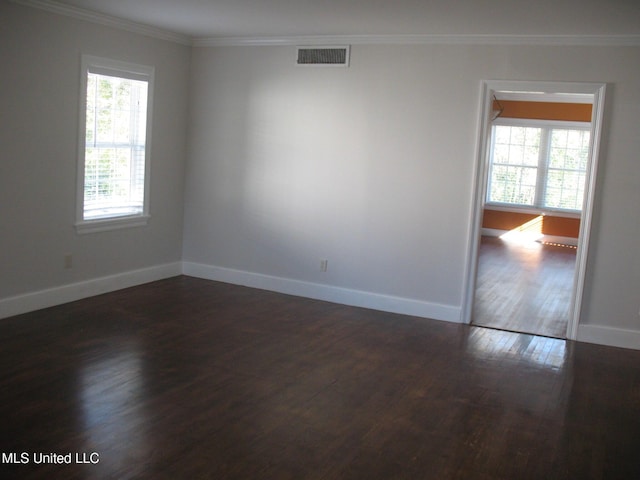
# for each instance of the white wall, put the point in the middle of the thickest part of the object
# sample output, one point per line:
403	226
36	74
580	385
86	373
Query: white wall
39	94
371	167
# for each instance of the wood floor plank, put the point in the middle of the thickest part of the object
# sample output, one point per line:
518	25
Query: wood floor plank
188	378
524	287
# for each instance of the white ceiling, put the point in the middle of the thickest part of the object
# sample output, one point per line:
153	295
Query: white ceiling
277	18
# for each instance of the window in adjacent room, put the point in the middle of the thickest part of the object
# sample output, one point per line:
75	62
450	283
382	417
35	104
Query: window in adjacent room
538	165
115	124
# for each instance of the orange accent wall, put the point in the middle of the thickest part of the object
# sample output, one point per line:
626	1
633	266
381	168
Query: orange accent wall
575	112
561	226
551	224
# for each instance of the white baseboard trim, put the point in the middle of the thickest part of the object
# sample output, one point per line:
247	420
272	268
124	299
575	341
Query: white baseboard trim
68	293
493	232
613	337
345	296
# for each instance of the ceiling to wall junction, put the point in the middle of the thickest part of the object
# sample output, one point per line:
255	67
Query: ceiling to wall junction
273	18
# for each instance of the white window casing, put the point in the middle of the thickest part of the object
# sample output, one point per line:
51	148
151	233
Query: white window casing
114	144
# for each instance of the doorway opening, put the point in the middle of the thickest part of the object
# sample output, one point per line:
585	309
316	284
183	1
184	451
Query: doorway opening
535	179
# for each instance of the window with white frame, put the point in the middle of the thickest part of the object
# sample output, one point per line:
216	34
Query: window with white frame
538	165
113	172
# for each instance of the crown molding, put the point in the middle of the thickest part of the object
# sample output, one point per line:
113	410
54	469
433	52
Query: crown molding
419	39
106	20
631	40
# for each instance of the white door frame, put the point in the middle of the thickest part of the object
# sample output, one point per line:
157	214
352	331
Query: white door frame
488	89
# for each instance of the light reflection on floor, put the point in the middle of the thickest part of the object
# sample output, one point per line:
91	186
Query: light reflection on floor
111	393
485	343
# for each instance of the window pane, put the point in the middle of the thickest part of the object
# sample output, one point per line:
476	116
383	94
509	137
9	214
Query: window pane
502	135
568	157
516	155
514	164
115	146
515	185
501	154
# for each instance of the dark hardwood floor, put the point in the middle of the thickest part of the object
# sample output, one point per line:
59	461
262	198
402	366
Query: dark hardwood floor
187	378
524	288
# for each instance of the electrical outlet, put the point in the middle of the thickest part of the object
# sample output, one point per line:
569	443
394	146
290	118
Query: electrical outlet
323	265
68	261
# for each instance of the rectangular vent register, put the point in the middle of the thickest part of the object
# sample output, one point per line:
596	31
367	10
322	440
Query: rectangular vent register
330	56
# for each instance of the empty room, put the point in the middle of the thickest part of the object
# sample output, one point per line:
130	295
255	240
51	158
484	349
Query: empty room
273	239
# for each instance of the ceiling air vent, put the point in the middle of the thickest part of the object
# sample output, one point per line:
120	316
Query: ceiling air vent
330	56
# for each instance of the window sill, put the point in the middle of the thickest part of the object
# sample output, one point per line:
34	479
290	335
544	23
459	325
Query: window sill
114	223
532	210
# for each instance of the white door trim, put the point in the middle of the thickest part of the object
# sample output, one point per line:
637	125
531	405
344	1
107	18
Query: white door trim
488	88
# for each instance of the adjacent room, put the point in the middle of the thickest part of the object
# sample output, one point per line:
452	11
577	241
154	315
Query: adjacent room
279	239
540	164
